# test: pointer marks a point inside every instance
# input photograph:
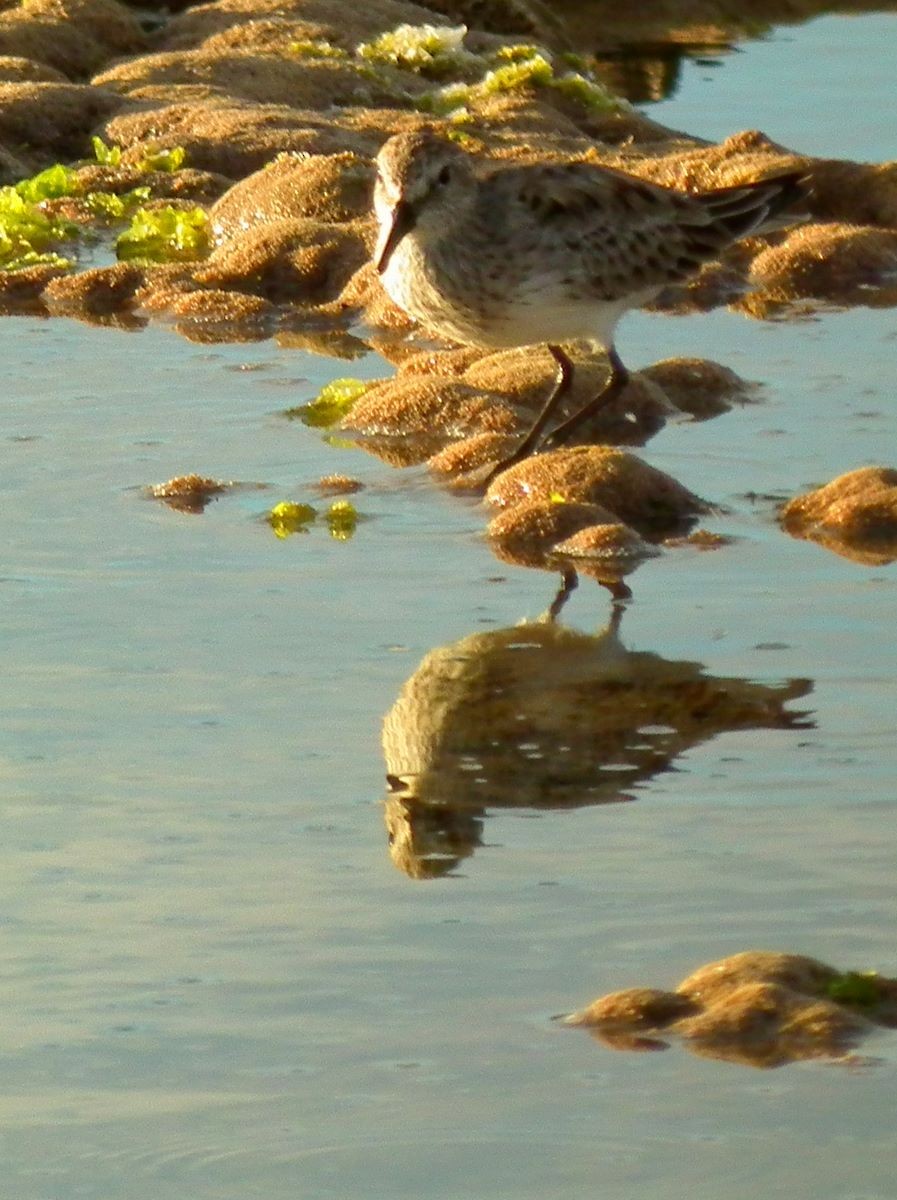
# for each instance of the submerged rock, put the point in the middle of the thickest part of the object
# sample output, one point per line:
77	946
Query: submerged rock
188	493
756	1008
855	515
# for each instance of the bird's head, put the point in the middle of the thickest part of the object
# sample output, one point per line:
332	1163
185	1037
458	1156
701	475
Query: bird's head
423	182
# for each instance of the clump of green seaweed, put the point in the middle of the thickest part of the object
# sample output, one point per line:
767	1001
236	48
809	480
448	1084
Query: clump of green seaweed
331	404
438	52
32	228
166	234
859	989
27	235
520	68
342	520
290	517
317	48
434	51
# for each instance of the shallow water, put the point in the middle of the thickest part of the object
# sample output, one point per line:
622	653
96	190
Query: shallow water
823	88
216	984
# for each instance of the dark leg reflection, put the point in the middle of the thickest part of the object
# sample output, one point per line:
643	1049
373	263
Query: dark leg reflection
542	716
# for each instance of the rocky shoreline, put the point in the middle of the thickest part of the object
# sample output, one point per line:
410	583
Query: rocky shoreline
275	111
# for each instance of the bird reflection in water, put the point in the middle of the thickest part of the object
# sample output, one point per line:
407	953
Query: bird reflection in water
545	717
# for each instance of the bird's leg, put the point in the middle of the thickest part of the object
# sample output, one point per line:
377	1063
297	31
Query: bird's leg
534	433
618	379
569	582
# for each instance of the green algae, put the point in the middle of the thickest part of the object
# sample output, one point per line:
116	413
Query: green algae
342	520
465	140
434	51
587	93
51	184
516	53
165	158
859	989
521	68
106	156
288	517
168	160
437	52
317	49
30	229
530	72
116	206
160	235
331	404
27	234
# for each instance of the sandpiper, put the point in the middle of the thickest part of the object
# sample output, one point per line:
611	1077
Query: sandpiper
546	253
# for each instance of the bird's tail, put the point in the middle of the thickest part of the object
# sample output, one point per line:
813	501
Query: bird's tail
756	207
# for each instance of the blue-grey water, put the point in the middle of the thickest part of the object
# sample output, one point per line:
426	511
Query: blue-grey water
215	983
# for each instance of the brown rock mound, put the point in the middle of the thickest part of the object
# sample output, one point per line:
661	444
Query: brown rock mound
287	261
855	515
53	120
844	264
262	78
74	36
327	187
757	1008
236	138
651	502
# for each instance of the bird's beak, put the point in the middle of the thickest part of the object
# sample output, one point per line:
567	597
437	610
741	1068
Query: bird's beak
403	221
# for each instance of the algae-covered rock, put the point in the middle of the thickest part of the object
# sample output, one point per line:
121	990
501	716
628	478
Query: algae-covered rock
526	377
528	533
698	387
855	515
74	36
855	193
98	291
235	138
843	264
425	407
290	260
571	538
215	315
22	291
326	187
757	1008
188	493
653	503
54	120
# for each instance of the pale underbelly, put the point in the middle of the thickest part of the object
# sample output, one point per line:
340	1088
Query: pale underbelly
526	316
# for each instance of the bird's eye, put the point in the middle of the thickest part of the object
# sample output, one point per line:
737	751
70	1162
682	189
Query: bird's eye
444	175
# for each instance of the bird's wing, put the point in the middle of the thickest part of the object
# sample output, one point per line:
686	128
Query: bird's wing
639	234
